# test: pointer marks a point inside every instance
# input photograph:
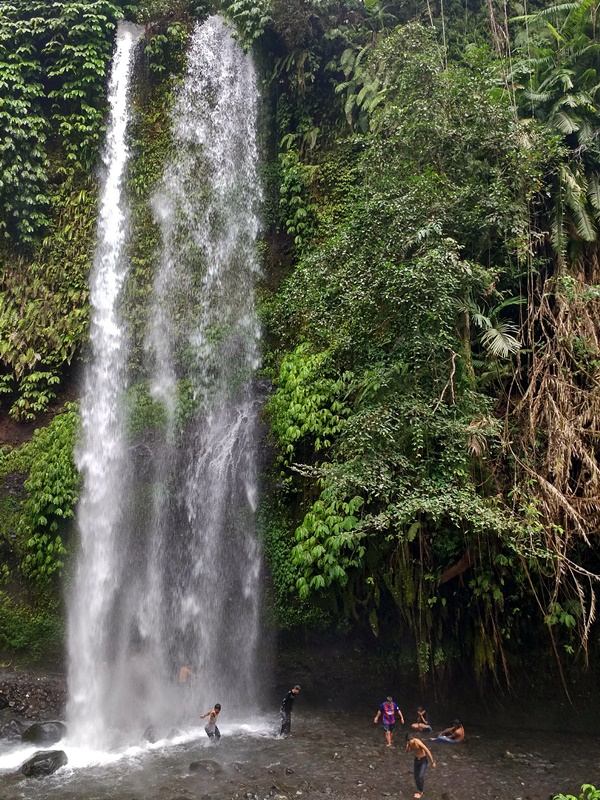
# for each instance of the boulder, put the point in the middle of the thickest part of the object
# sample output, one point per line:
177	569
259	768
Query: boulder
150	735
208	766
12	730
44	733
44	762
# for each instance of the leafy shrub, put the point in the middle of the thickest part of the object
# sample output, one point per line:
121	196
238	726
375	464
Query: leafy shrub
51	491
588	792
30	635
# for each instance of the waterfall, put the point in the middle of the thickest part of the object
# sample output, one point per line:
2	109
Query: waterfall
102	454
203	345
169	569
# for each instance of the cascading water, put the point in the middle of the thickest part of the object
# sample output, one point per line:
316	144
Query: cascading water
169	570
204	344
102	455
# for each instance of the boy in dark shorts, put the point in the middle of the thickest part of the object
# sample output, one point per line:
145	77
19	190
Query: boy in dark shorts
422	753
388	711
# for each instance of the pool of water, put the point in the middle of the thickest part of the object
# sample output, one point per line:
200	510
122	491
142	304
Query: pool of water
335	755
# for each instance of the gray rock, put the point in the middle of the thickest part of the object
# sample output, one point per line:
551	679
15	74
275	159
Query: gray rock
44	733
44	762
149	735
206	765
12	730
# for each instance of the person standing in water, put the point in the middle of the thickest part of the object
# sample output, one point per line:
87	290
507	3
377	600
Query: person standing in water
285	712
388	710
211	728
422	753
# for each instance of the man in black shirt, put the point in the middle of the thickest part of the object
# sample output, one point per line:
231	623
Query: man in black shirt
285	711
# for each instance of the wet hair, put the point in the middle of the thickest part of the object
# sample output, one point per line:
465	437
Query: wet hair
456	722
410	736
420	708
297	687
218	705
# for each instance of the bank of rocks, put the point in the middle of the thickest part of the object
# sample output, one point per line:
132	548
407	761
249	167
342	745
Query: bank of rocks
27	696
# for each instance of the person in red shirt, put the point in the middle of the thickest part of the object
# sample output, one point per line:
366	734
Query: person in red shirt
388	711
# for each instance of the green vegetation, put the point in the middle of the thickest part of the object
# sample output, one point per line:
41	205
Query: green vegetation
431	306
29	635
440	211
53	65
588	792
45	469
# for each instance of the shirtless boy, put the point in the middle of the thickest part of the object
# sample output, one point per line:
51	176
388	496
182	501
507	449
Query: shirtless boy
422	753
211	729
454	734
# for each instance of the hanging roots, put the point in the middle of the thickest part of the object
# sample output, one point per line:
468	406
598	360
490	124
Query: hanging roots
554	433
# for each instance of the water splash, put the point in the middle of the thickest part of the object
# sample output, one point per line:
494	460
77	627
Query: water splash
169	571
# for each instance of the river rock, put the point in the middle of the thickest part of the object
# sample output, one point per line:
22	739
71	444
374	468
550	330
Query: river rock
149	735
12	730
44	733
206	765
45	762
3	701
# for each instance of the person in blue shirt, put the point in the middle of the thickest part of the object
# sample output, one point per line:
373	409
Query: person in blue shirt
388	711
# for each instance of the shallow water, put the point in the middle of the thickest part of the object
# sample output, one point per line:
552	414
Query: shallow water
336	755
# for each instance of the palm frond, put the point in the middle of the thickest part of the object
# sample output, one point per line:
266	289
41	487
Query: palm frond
584	224
501	340
593	192
565	123
481	321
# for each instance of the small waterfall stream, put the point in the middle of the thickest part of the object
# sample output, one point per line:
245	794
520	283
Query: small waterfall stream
169	569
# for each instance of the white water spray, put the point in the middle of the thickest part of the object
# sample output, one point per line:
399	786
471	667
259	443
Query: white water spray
102	454
169	571
203	345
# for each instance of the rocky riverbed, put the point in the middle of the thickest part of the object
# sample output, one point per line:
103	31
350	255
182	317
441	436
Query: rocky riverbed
31	696
341	756
334	753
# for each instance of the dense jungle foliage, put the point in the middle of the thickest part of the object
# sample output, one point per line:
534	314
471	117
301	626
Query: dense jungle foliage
430	306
